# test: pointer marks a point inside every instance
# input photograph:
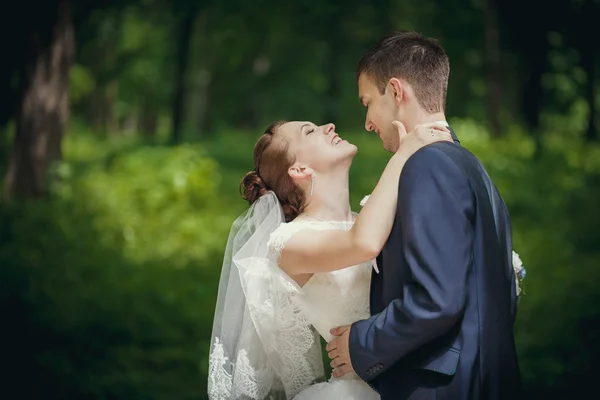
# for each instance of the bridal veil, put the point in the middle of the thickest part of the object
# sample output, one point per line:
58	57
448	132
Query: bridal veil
262	346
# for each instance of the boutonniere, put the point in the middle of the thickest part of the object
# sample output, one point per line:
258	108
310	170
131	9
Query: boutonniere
519	272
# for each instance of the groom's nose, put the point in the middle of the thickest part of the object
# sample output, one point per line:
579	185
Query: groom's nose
369	126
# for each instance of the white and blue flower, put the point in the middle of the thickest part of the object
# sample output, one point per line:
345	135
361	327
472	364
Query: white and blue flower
520	271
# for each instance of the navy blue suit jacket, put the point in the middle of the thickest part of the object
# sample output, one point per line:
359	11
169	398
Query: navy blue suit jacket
444	303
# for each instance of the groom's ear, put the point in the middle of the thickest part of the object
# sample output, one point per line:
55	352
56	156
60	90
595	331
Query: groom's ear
397	90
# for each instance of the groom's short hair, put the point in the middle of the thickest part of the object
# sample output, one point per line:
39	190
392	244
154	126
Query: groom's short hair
420	60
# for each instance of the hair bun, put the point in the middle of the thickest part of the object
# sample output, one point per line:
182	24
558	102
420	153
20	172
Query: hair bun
252	187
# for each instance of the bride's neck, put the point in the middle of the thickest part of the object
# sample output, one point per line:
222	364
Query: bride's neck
330	199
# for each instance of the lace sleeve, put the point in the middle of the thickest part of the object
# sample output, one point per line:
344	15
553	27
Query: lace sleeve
285	231
281	236
262	345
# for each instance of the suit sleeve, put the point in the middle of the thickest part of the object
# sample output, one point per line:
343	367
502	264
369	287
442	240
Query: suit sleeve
435	209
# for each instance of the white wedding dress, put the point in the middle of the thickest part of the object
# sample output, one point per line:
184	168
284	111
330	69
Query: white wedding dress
329	300
265	341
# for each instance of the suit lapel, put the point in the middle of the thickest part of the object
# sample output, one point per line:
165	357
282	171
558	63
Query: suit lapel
376	299
376	303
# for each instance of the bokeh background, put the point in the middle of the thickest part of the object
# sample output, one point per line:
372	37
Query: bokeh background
126	126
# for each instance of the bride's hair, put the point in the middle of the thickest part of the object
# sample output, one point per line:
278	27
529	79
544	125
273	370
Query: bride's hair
272	160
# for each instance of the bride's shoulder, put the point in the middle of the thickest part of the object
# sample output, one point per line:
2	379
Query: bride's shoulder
285	230
279	237
282	234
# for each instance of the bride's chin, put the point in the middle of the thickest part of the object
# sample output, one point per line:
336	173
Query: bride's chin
345	154
349	158
353	149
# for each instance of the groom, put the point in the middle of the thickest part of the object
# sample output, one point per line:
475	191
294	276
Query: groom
443	303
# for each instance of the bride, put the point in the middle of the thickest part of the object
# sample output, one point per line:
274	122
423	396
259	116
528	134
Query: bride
298	263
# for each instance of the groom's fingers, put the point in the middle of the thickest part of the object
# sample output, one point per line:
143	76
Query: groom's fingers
339	331
341	371
339	361
336	331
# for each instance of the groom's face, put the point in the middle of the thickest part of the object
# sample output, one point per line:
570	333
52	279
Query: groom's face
381	111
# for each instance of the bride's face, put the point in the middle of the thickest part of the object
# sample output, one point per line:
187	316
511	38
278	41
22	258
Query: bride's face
316	148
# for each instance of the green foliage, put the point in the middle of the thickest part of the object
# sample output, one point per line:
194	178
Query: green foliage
109	285
153	201
143	68
116	274
81	83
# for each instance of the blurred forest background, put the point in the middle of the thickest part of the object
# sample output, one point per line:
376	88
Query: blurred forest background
126	126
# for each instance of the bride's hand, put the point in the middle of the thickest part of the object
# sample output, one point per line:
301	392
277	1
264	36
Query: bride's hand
421	136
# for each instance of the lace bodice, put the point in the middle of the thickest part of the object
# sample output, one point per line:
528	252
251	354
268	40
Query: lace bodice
331	299
278	353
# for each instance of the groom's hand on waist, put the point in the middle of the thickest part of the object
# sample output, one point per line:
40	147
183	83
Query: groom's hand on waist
338	349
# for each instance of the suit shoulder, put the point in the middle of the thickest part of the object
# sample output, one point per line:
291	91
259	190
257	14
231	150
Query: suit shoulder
435	165
433	157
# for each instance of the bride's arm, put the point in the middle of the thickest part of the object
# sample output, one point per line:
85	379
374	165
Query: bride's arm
312	251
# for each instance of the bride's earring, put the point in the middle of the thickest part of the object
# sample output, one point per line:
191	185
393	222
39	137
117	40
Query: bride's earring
312	183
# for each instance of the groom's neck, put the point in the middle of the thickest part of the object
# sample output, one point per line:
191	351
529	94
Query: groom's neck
425	118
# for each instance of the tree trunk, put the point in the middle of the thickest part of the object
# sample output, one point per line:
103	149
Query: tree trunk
111	89
587	50
590	93
112	119
12	44
204	54
532	89
148	120
43	108
201	101
96	112
493	67
181	68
